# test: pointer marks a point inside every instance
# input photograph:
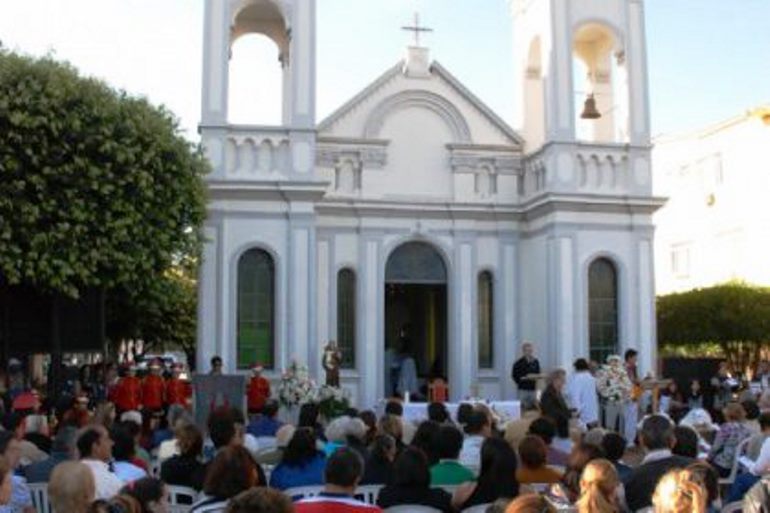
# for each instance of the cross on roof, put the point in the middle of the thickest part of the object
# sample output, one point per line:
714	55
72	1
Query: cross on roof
417	29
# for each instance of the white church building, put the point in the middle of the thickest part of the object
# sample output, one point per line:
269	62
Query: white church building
414	216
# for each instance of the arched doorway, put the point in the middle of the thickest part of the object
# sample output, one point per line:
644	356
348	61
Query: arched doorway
415	311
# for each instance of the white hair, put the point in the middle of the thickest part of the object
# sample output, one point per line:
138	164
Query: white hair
341	428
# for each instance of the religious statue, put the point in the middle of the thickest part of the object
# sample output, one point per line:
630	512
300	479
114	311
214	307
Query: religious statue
332	359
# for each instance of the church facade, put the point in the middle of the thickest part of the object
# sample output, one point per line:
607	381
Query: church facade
414	220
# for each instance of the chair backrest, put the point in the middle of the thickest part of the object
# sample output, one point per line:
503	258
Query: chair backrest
450	489
368	493
733	507
181	495
155	468
736	460
301	492
478	508
411	508
40	500
266	442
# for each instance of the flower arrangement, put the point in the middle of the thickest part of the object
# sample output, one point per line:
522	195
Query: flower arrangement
296	387
613	382
332	401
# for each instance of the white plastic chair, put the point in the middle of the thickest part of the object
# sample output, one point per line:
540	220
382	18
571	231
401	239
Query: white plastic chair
368	493
729	480
450	489
181	498
302	492
733	507
40	500
411	508
266	442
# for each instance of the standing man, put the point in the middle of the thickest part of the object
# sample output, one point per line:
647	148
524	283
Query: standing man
258	390
583	394
178	390
523	367
127	394
216	366
631	414
153	389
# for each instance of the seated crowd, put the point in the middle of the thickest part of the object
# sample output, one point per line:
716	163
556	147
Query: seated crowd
533	464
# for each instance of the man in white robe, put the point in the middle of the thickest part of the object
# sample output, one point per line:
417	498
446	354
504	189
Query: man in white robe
583	397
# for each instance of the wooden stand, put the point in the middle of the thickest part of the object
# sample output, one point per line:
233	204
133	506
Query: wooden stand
654	385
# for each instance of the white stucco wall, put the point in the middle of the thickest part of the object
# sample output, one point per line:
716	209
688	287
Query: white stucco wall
716	224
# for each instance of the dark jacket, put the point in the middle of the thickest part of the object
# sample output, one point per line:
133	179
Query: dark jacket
183	471
392	495
553	405
377	471
522	368
40	472
640	485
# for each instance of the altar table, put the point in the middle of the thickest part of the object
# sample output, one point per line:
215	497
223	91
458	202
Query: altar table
417	412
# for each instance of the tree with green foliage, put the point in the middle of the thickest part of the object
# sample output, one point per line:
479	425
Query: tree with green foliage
98	189
736	316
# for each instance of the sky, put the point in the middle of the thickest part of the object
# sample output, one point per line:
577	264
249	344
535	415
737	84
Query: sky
708	60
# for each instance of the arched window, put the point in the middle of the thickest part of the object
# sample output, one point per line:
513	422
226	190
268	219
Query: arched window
256	309
346	317
602	309
486	320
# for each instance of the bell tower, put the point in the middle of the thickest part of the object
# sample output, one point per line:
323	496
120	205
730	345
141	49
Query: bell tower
571	55
287	149
262	191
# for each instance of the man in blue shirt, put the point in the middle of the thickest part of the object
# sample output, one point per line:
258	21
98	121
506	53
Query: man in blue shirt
62	449
266	423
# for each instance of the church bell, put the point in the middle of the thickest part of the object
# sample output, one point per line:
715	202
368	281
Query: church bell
589	109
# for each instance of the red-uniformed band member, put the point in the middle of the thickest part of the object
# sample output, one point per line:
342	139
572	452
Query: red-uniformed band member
258	390
178	390
127	394
153	388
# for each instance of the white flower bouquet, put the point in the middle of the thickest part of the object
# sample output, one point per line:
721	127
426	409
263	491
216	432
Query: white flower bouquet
296	387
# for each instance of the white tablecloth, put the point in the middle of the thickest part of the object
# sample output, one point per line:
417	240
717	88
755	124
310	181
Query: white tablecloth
506	410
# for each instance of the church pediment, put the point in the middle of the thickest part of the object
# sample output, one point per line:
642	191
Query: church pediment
467	118
417	134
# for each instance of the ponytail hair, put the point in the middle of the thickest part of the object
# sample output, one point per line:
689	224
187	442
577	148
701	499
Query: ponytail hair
680	491
597	488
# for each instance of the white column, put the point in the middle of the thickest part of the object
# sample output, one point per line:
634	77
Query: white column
302	64
646	308
506	347
370	330
637	75
324	302
462	361
562	328
216	62
300	295
207	300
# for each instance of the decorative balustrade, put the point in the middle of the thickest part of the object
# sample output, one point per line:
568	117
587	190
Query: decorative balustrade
248	152
604	169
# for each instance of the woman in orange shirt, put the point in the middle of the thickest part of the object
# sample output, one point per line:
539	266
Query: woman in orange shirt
533	470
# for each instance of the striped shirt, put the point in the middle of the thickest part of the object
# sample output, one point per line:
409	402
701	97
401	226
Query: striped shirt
333	503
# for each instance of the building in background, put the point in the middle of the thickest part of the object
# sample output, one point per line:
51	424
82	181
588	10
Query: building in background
413	218
715	226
